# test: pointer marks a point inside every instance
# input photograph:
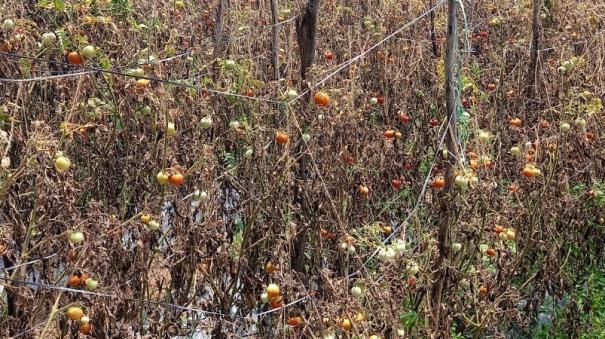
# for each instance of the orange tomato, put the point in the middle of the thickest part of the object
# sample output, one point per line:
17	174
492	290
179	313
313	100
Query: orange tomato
74	281
439	182
499	229
295	321
321	99
516	122
275	303
269	267
530	171
83	278
346	324
75	58
490	252
491	87
389	134
281	137
86	328
483	290
176	179
364	190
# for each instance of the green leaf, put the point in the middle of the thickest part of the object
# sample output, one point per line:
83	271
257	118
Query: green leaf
59	5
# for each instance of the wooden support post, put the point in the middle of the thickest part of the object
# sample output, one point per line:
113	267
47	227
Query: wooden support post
275	44
443	235
532	72
218	32
306	27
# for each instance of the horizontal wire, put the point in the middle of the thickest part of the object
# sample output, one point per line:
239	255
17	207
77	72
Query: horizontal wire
113	72
111	296
39	78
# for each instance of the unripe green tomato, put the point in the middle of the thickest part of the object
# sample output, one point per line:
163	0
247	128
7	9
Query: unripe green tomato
76	237
62	164
49	39
170	129
9	24
206	122
89	51
456	247
230	65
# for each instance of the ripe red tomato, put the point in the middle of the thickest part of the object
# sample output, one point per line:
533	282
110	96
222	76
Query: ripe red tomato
407	166
75	58
465	103
491	252
329	55
381	99
434	122
396	183
404	118
589	136
349	159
